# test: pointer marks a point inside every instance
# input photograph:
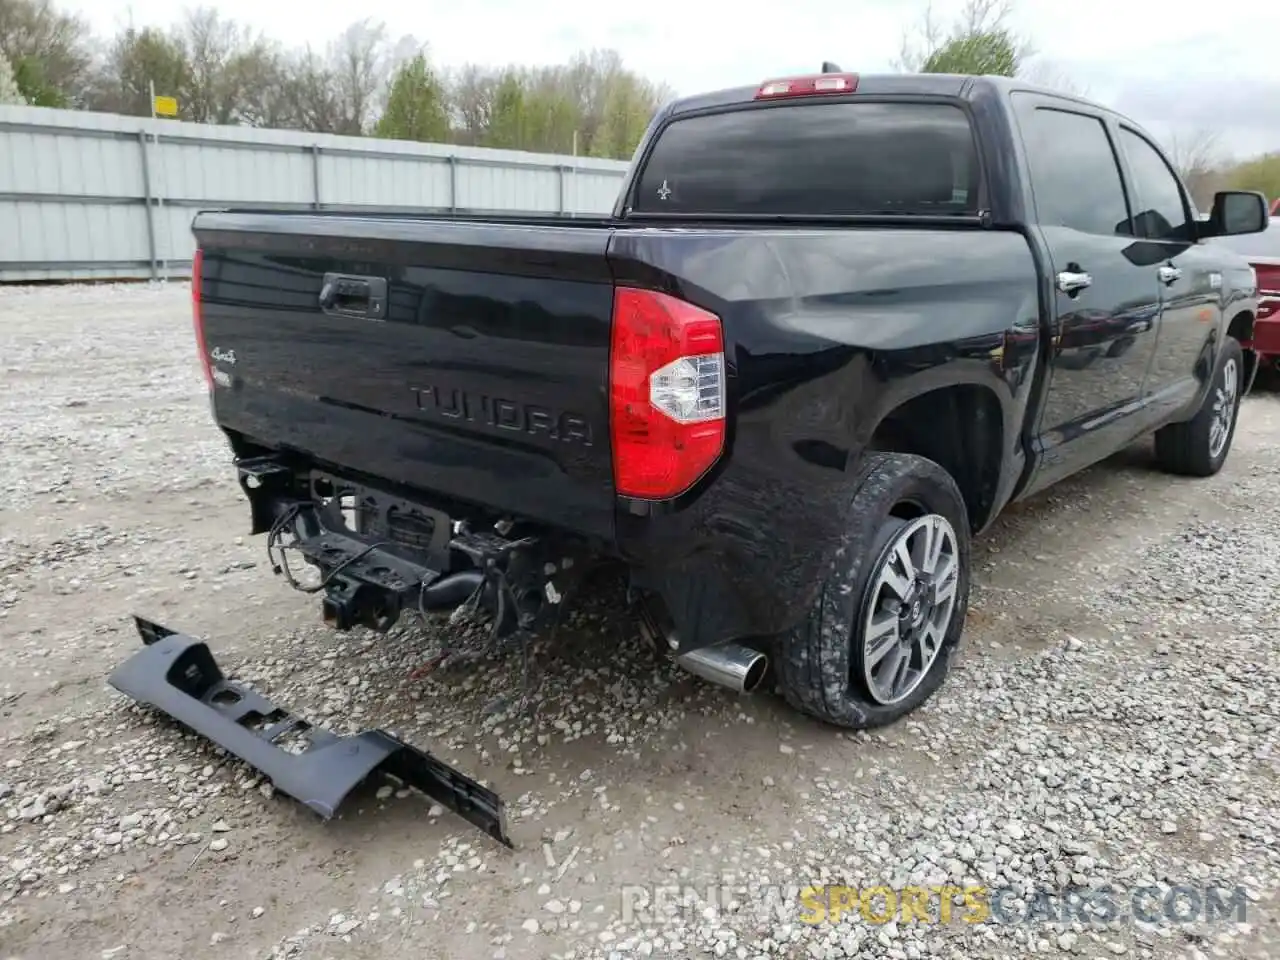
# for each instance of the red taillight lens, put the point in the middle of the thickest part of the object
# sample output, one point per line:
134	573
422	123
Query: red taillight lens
1268	290
808	86
666	393
197	314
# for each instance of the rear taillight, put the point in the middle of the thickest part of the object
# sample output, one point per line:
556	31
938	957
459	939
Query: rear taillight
197	314
1268	289
666	393
827	83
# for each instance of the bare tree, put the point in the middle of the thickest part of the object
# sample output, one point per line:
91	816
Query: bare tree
310	95
360	64
1197	156
472	90
9	92
232	73
258	73
1046	73
1194	151
210	43
920	43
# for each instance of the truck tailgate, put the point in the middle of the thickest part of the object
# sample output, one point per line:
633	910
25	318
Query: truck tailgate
464	358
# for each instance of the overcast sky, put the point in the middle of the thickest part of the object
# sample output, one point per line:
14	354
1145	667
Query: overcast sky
1174	68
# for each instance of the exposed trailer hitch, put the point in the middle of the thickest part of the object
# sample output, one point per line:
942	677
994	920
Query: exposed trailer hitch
177	675
380	555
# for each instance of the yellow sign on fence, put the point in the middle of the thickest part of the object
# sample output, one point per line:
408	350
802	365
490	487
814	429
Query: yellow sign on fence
166	106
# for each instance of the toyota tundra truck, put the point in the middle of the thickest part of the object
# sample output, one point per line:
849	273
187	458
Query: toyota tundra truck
832	327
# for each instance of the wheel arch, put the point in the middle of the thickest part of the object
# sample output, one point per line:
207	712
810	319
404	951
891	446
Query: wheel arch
1240	328
961	427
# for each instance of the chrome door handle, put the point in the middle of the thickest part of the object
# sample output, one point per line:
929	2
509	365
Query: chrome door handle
1071	283
1168	274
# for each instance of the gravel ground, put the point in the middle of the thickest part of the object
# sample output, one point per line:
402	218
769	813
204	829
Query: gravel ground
1112	720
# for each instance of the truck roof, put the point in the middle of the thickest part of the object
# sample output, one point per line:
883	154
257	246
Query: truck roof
927	84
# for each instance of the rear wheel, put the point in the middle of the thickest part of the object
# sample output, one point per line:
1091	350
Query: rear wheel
1198	447
879	638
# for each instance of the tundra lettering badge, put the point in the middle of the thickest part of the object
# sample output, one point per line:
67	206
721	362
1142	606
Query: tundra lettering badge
454	404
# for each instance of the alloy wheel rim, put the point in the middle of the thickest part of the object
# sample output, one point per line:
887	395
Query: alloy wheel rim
1225	396
910	608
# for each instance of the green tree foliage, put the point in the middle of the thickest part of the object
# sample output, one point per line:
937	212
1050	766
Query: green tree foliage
592	104
994	52
1261	173
35	85
550	116
979	41
416	107
506	127
628	105
48	51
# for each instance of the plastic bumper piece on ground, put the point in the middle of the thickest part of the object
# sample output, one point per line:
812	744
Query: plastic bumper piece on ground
177	675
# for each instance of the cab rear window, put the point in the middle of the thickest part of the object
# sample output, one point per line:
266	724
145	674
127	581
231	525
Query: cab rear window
844	159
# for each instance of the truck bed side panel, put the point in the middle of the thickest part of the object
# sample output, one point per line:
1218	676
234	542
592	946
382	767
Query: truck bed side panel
827	331
486	381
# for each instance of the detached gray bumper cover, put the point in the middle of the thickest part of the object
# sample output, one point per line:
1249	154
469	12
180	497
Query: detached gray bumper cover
177	675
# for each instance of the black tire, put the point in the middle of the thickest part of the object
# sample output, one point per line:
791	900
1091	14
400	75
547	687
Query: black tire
1186	448
820	660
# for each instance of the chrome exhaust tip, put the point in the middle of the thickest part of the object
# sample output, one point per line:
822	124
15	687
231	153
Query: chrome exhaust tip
730	665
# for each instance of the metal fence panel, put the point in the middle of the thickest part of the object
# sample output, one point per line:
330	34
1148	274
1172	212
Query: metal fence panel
91	195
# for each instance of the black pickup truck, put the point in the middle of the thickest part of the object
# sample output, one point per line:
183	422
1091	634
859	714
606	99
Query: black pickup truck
834	325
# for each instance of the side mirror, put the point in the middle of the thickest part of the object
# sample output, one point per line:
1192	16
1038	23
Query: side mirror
1236	212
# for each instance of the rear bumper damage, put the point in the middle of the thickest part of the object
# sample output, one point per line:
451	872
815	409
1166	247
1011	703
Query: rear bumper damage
380	556
177	675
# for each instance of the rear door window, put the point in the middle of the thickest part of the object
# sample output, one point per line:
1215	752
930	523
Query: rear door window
1162	212
841	159
1075	175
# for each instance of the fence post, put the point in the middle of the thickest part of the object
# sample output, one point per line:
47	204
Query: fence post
315	176
453	183
560	171
146	196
